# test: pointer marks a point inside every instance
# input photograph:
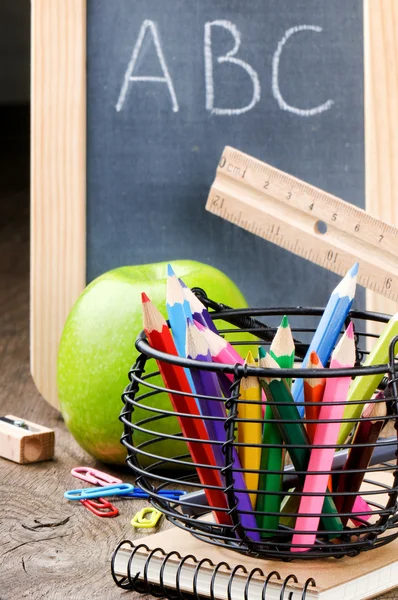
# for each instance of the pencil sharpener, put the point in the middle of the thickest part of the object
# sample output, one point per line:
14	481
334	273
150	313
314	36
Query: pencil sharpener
25	442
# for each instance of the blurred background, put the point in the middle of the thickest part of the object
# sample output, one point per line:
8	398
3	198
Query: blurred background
14	157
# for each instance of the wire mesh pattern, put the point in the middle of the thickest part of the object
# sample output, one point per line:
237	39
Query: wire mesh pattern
159	457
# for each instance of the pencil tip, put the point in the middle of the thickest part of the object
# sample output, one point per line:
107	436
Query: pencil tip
170	271
354	270
182	284
347	285
144	297
250	359
285	322
261	352
350	331
314	358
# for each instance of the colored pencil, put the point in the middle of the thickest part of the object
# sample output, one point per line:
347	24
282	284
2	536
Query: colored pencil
313	392
174	377
206	384
282	351
363	387
271	460
249	428
198	310
359	457
294	434
321	459
282	347
222	352
329	327
178	311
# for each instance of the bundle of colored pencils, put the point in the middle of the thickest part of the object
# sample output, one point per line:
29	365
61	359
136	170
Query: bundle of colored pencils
305	420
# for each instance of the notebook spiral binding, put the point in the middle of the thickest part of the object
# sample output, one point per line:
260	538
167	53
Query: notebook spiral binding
139	582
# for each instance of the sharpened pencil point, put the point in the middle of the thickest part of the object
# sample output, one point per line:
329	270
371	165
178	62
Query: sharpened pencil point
250	359
144	297
354	270
314	361
347	285
170	271
182	284
284	322
350	331
261	352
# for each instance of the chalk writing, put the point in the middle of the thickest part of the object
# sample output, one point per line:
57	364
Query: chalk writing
128	77
275	76
227	58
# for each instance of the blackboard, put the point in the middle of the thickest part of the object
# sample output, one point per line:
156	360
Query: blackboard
171	83
97	171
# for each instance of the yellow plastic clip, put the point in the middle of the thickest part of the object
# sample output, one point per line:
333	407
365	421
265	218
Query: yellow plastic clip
146	518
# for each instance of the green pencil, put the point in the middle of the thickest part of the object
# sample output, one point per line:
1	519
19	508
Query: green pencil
282	351
282	347
295	434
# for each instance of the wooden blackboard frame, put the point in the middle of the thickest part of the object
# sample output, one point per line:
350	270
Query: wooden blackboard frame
58	161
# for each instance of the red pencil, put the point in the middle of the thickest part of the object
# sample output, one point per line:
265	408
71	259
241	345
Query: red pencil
174	377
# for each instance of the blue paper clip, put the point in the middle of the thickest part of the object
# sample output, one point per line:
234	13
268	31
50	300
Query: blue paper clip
118	489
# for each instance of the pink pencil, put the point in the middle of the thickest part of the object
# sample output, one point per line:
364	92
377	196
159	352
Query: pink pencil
321	459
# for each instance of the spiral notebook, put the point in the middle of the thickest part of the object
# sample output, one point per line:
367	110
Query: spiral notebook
364	576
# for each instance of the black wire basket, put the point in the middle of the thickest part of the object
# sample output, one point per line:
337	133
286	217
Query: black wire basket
159	457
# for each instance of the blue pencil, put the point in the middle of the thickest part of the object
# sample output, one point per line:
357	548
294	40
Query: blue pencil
329	328
178	311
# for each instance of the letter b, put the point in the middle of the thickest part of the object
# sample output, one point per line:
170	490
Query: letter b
228	58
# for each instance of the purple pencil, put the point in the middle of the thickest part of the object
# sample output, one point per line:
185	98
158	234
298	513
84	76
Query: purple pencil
198	310
206	384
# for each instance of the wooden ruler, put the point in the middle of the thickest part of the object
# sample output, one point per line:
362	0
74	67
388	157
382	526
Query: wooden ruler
305	220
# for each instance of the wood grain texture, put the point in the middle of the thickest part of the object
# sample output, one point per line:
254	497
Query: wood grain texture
58	168
50	549
381	119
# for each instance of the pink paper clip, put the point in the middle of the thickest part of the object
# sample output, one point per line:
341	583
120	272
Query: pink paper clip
100	507
94	476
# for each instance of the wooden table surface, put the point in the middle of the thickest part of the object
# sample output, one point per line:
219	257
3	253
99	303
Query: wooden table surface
49	548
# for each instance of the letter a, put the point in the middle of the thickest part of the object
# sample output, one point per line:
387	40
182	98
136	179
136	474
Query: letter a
128	77
228	58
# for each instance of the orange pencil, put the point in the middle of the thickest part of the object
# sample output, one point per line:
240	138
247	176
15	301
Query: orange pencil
313	392
174	377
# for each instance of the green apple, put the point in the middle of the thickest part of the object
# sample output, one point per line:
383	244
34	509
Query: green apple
97	350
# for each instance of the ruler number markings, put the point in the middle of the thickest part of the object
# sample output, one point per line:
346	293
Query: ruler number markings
240	170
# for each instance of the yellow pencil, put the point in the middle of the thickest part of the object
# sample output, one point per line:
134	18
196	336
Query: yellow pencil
249	430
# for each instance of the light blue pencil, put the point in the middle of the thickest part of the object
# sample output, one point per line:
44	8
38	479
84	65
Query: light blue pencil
178	311
330	325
